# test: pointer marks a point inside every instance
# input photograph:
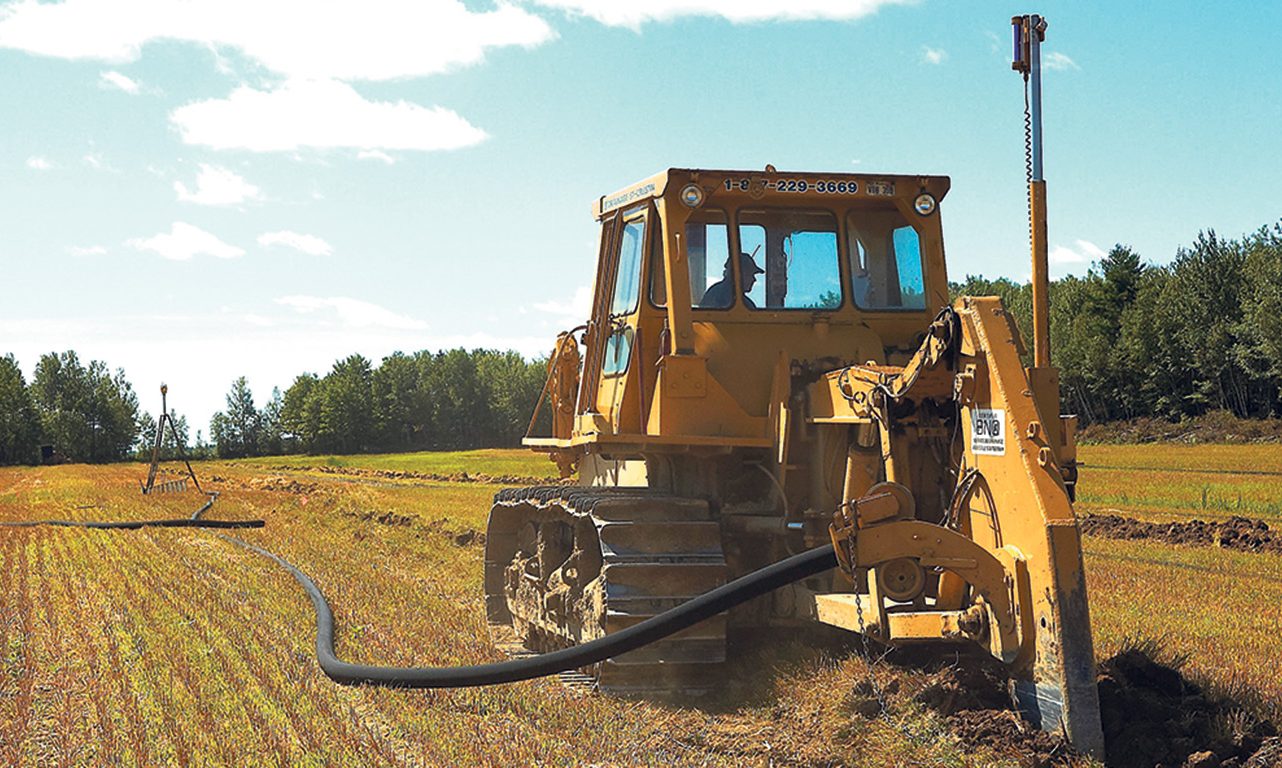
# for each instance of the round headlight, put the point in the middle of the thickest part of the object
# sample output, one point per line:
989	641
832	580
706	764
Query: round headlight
692	195
924	204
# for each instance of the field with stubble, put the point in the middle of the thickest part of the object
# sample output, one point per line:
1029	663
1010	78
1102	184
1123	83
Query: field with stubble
175	647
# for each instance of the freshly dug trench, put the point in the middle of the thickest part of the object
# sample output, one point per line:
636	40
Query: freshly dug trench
1151	714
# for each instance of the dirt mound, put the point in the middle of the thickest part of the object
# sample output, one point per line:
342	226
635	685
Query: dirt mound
965	683
1008	734
1238	533
462	538
281	484
397	474
1214	427
971	691
1153	716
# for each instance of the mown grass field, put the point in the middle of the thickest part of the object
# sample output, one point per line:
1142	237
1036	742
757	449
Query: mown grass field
1223	609
174	647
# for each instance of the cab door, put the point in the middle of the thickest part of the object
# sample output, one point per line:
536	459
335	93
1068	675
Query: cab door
618	324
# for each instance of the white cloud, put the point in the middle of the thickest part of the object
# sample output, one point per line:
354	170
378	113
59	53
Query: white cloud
113	79
575	310
309	244
38	163
87	250
933	55
370	40
374	154
352	313
1081	252
319	114
1057	60
217	186
184	242
633	13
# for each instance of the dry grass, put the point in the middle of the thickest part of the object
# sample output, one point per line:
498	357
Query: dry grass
1221	609
173	647
1171	482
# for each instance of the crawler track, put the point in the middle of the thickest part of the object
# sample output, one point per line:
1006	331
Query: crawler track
567	565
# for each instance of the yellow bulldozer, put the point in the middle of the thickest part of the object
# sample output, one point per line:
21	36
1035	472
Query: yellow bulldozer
772	363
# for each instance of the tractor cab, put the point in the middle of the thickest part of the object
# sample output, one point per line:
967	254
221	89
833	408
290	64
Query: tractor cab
715	288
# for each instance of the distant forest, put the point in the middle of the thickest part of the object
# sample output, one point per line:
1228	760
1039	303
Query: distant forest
1131	339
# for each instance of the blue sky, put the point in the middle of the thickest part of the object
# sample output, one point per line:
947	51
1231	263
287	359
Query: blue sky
199	190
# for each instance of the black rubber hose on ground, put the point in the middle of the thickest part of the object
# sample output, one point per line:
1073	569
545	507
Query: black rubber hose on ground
133	525
195	521
656	628
704	606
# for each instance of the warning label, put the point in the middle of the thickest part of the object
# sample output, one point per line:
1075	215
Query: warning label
988	431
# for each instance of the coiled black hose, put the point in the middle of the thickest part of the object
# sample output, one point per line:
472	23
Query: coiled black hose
704	606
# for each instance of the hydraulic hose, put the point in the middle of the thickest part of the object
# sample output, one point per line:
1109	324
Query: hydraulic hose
693	611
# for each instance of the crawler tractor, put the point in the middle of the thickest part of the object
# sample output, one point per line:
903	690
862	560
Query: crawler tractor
771	364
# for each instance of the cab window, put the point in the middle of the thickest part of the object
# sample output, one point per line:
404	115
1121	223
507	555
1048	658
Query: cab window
885	261
707	245
789	260
627	282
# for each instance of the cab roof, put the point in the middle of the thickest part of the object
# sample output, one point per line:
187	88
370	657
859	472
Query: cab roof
759	184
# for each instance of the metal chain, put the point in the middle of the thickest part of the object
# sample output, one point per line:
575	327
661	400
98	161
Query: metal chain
877	692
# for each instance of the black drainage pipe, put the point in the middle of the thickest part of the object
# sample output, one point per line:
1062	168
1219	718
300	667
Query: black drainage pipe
195	521
697	609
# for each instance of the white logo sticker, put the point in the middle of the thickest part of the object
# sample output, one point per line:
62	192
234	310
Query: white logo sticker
988	431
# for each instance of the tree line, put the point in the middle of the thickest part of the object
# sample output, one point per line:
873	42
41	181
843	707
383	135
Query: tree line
1133	339
424	401
1130	338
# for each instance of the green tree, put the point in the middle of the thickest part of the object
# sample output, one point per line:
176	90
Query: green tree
1208	280
459	408
300	413
19	421
400	418
273	441
347	407
237	431
88	413
512	388
1259	351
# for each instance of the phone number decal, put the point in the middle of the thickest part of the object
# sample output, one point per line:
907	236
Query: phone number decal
822	186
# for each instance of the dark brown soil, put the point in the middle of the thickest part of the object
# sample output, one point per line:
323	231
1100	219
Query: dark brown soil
1214	427
464	538
436	477
1238	533
1008	734
1153	716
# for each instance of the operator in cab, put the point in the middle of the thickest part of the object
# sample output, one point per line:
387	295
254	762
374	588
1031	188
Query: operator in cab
720	295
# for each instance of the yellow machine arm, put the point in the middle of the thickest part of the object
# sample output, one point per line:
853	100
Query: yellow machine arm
1002	565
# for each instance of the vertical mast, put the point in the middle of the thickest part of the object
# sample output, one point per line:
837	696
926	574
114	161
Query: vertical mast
1029	32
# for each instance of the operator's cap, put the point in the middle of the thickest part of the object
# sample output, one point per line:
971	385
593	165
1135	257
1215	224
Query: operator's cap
747	266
